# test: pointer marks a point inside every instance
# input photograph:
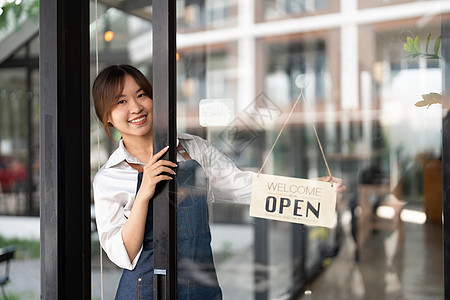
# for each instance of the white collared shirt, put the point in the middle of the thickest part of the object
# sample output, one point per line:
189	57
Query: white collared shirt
116	182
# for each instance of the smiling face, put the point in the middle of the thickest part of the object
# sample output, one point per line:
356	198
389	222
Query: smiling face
132	112
109	86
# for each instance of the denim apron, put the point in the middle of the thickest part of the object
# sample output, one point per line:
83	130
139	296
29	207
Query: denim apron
197	277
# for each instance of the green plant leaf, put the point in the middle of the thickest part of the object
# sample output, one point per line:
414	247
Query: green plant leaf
428	42
13	12
410	42
33	10
407	48
437	44
432	56
17	9
428	99
417	43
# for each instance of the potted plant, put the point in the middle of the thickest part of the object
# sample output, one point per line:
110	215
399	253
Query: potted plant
431	166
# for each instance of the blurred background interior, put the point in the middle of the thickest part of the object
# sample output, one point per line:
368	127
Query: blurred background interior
361	84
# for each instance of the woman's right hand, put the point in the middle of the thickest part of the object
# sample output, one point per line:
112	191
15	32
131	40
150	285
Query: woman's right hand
133	231
155	171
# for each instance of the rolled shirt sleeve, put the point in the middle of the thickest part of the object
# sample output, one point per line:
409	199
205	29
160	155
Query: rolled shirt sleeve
111	211
227	183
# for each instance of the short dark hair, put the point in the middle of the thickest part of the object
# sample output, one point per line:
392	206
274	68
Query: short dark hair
108	86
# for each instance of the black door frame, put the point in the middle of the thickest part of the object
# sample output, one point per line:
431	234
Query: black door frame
165	134
65	149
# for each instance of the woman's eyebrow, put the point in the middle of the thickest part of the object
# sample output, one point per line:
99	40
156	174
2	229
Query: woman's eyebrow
137	91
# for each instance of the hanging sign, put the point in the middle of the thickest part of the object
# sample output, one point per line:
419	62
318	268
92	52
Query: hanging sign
296	200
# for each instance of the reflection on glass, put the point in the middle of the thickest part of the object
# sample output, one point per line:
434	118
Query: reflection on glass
361	91
205	14
19	165
274	9
19	155
123	35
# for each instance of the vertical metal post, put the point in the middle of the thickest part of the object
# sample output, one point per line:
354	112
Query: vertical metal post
298	257
300	231
30	147
261	263
164	129
65	149
261	250
446	153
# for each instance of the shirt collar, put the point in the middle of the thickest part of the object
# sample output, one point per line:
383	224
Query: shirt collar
121	154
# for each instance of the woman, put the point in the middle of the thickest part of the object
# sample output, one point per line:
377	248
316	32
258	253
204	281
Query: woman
125	185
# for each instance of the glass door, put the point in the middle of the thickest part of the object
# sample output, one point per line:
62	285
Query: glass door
371	75
236	87
121	33
368	83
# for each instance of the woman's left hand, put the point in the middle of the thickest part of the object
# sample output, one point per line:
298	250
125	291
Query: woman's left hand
340	187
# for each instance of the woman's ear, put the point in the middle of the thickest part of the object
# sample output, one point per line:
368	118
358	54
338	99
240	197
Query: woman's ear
109	122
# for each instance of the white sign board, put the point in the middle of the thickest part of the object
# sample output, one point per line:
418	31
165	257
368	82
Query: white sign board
216	112
296	200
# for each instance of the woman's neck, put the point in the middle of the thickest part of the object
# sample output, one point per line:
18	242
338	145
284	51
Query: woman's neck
141	147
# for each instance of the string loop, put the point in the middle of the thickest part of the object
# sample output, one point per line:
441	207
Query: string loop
301	95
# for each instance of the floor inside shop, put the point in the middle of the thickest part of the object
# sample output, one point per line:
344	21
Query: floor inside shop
391	266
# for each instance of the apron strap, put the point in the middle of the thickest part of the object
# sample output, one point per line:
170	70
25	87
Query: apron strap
183	152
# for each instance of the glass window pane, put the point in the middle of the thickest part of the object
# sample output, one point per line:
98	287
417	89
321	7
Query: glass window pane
240	65
19	175
123	35
361	88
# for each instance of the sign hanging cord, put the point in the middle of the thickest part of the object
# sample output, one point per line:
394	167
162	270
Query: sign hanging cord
301	95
